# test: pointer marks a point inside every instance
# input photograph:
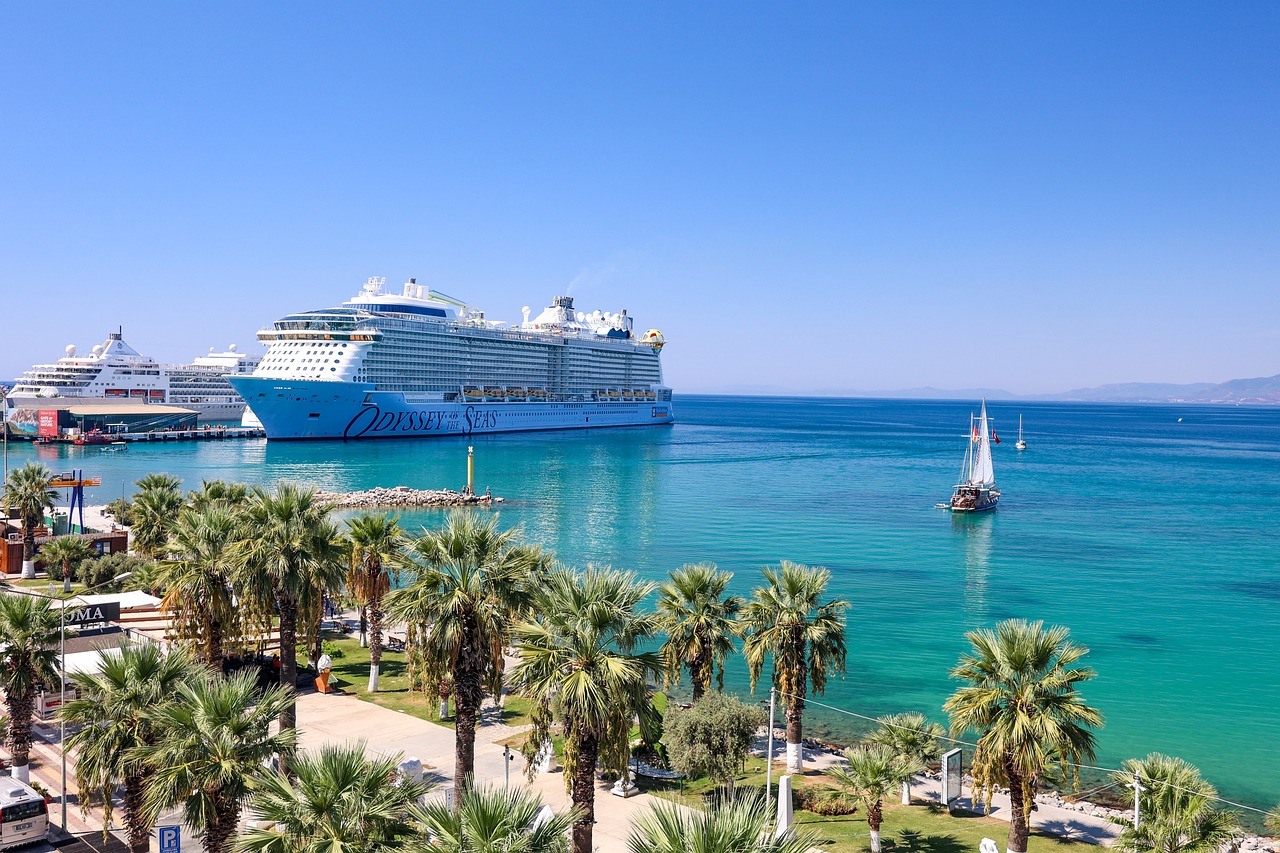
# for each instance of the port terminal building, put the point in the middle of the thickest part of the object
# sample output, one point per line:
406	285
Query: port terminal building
61	418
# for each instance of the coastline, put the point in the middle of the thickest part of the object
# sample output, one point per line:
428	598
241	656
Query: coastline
404	496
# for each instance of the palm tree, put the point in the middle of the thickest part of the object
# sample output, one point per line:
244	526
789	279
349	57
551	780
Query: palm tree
699	621
232	495
291	550
489	819
154	512
30	629
910	736
158	481
735	825
870	773
786	620
339	800
1177	809
579	666
375	542
1022	698
473	581
213	740
113	711
197	577
29	493
67	551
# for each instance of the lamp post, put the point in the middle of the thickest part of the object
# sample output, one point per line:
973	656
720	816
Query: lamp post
62	655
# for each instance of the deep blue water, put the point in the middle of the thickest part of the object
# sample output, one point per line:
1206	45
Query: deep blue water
1156	541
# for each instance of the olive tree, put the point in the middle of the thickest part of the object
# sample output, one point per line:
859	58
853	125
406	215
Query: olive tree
712	738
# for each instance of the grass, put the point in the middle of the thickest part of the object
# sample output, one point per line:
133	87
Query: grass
918	828
42	584
351	675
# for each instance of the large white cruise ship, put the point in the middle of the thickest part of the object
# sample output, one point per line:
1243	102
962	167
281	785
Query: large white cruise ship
420	363
113	370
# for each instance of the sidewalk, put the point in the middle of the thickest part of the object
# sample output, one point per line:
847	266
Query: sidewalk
343	717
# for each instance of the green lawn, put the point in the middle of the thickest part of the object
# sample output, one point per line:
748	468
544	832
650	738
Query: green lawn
42	585
351	675
919	828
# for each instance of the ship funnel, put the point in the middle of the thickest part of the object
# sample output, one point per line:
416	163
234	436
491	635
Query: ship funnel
563	302
525	312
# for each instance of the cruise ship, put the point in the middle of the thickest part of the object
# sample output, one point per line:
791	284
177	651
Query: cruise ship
420	363
113	370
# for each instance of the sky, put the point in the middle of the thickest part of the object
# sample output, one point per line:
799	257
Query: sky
812	197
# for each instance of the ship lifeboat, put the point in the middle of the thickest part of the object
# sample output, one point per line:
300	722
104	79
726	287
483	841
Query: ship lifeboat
495	392
516	394
602	394
537	394
628	394
472	394
651	394
615	394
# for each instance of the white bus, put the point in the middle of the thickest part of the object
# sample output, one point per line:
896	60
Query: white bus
24	817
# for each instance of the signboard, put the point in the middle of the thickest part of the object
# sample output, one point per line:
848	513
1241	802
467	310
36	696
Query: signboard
951	776
48	423
170	839
90	614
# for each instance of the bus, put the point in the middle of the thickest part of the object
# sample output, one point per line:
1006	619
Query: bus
24	816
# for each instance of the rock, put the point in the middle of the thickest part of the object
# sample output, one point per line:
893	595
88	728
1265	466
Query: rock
403	496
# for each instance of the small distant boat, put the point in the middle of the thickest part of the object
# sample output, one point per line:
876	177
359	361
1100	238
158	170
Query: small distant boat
1021	443
93	437
976	491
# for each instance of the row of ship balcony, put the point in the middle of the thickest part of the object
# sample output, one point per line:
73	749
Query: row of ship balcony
498	393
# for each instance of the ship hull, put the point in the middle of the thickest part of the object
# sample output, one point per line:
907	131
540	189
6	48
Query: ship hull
302	409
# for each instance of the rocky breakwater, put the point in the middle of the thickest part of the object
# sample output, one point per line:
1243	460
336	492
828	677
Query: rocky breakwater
404	496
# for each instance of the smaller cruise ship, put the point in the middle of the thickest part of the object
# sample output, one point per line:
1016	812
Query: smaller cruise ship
113	370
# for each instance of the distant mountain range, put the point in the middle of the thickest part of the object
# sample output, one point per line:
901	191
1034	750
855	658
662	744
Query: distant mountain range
1261	391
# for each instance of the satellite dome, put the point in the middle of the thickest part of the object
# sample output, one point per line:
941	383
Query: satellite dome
71	349
231	348
97	349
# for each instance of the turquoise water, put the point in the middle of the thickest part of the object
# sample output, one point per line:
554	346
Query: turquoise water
1156	541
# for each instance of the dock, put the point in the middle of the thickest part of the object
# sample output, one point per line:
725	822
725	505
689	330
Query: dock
115	439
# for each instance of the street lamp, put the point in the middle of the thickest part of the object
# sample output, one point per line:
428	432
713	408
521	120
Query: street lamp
62	654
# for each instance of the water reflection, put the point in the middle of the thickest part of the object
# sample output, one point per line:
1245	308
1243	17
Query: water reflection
976	533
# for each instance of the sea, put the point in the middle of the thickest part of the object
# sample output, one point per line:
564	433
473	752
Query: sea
1151	531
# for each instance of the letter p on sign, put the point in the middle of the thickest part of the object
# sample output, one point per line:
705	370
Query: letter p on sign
170	839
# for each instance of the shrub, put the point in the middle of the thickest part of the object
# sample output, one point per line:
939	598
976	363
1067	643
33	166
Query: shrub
822	800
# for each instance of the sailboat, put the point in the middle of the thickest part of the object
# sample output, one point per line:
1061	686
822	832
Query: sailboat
976	491
1021	443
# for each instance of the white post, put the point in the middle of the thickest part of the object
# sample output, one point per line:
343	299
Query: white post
785	815
62	724
768	759
1137	804
373	678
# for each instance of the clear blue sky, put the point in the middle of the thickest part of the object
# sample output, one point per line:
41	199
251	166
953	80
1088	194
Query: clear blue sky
865	196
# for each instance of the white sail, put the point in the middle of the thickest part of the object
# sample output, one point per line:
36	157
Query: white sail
981	472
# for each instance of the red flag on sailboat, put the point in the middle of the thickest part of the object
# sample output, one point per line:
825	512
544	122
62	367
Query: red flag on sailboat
975	433
995	438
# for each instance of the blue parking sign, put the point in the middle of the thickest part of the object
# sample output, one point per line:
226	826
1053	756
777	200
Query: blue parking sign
170	839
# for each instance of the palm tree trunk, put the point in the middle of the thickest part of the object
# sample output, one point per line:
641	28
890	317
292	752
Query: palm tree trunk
288	664
136	826
364	624
875	815
468	694
699	672
795	707
584	792
1019	819
29	546
21	708
375	641
221	829
213	649
906	793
